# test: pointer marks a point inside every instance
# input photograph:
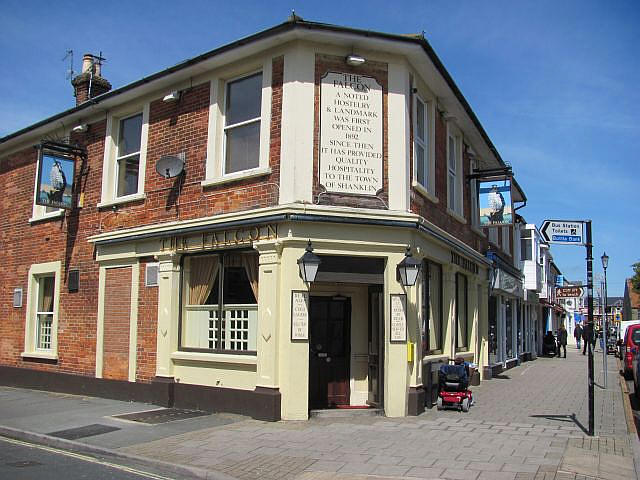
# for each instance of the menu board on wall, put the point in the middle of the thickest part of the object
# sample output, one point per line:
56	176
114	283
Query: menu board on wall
350	134
398	330
299	315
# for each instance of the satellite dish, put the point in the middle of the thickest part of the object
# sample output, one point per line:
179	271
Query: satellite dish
170	166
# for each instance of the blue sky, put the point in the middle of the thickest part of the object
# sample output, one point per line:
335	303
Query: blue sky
553	83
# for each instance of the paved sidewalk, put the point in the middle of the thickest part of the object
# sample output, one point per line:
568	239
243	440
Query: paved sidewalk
529	423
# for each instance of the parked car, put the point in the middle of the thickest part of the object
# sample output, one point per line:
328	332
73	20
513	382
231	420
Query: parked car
630	347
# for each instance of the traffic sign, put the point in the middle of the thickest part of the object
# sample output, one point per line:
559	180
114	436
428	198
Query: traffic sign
565	232
569	292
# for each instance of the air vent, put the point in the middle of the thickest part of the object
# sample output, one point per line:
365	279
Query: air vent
151	276
74	280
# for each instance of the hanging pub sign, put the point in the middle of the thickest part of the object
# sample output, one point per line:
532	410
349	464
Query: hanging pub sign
56	173
494	199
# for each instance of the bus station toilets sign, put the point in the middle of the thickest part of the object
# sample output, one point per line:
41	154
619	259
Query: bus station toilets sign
350	134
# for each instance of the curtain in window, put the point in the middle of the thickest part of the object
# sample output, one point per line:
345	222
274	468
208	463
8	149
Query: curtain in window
203	274
250	264
48	286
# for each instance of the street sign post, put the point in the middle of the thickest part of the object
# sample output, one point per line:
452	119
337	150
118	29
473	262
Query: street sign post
571	232
566	232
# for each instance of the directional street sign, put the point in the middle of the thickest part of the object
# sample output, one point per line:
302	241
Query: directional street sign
565	232
569	292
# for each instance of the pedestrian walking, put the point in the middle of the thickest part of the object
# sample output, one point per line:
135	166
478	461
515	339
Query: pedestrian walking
562	339
587	336
577	333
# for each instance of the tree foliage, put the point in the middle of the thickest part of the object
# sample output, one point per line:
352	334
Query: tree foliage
635	280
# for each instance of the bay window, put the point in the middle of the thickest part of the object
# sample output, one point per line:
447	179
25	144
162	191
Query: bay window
220	312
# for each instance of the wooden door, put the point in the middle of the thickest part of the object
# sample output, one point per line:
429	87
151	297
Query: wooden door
329	352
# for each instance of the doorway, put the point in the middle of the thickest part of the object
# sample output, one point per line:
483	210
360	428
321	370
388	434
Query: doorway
329	351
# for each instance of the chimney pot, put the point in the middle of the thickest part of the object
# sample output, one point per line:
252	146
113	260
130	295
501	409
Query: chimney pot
89	83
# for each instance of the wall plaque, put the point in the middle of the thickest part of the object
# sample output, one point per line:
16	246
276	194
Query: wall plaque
398	330
350	134
299	315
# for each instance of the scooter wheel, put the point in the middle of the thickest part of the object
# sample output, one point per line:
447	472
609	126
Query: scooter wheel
439	403
465	405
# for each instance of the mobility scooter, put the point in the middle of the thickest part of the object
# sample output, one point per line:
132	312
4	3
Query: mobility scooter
453	383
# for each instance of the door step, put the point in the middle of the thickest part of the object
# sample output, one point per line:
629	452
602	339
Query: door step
346	412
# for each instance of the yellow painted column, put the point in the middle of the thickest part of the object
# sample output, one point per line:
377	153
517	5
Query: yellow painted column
395	359
473	316
268	315
168	310
293	360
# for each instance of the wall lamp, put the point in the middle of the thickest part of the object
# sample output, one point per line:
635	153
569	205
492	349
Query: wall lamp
172	97
308	264
408	269
355	60
83	127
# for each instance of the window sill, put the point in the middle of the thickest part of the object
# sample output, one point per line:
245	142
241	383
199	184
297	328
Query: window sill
47	216
215	358
435	357
457	216
118	201
234	177
41	355
424	192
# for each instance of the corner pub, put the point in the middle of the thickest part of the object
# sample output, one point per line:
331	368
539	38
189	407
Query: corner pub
241	227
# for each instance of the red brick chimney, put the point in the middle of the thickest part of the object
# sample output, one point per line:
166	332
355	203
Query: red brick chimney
89	83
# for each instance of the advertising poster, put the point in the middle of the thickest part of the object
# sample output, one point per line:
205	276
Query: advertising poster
496	208
55	180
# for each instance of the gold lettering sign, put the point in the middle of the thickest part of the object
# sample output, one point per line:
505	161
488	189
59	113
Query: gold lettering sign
218	239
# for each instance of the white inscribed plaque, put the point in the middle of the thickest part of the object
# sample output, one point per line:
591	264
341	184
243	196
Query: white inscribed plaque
350	134
299	315
398	329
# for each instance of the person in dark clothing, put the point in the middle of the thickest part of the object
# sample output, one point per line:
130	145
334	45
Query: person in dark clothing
562	339
587	336
577	333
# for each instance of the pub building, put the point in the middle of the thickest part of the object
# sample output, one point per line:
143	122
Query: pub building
242	232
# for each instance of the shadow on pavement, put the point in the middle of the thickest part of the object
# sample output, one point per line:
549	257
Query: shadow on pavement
501	377
564	418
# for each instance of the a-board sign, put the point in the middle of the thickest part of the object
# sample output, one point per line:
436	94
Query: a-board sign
565	232
569	292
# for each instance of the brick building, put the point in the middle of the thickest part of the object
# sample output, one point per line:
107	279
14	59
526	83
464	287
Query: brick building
187	290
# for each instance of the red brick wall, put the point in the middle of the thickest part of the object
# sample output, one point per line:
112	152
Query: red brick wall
147	327
379	71
436	213
173	128
117	316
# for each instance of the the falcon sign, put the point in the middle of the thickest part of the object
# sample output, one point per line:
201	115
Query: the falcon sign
494	197
55	180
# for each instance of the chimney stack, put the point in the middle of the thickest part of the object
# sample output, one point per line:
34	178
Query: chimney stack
90	83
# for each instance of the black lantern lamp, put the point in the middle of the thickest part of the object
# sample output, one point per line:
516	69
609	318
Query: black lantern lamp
408	269
308	264
605	260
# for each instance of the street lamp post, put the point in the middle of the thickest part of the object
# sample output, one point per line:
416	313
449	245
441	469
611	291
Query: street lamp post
605	325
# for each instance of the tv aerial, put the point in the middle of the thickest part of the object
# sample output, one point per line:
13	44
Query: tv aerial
170	166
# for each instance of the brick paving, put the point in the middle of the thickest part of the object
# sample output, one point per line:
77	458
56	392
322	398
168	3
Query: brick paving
527	424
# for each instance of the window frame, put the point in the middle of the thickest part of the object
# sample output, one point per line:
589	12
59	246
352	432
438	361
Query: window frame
506	240
184	286
457	209
216	139
426	311
36	273
119	158
110	167
465	347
